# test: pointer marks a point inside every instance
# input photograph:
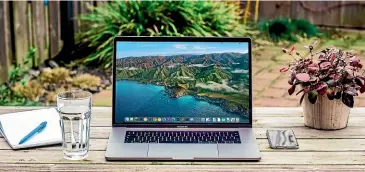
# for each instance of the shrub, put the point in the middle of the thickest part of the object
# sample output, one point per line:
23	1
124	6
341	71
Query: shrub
86	81
53	76
286	29
16	76
155	18
304	28
31	90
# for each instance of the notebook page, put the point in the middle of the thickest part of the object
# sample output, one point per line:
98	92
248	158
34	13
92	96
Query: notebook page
17	125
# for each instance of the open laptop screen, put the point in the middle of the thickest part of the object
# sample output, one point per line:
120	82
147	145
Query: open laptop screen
182	82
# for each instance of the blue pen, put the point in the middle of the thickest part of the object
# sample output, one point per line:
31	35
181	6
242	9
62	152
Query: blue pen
39	129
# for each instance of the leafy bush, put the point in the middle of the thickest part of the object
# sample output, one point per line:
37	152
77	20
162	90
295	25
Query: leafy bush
286	29
304	28
331	72
30	91
53	76
7	94
86	81
155	18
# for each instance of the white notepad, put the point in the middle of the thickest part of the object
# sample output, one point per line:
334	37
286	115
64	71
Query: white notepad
14	126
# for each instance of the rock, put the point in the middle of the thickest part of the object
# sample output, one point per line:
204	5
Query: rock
42	99
105	82
53	64
104	87
94	90
73	73
27	78
34	73
45	69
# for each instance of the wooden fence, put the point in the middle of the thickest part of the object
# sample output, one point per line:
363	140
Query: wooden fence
36	24
24	25
346	14
49	26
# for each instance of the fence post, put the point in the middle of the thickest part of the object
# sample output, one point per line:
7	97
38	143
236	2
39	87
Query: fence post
76	12
54	28
39	31
21	37
5	41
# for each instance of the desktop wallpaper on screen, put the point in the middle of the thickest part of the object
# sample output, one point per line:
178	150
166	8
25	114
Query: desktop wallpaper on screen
182	82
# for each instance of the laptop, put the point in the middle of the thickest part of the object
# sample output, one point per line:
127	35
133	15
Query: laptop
182	98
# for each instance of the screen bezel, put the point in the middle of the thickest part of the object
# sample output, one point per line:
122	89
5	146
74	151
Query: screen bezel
183	39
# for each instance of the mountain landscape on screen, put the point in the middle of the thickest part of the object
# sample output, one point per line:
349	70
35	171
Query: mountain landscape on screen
218	78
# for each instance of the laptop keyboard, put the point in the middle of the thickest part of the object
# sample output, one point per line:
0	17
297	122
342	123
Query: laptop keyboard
196	137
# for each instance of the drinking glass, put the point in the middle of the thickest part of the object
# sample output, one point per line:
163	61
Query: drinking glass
74	108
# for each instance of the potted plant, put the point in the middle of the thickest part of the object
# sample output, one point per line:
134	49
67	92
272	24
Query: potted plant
328	80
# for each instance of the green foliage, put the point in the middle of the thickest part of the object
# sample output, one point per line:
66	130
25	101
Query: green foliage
289	30
7	95
305	28
155	18
19	70
30	91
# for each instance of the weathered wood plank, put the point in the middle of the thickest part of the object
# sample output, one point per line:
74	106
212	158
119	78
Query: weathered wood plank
260	133
274	158
258	122
300	132
5	41
76	12
104	120
257	112
169	168
267	122
102	117
55	42
353	15
21	29
305	145
318	12
274	9
39	31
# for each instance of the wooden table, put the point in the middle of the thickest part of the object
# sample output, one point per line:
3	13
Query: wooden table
319	150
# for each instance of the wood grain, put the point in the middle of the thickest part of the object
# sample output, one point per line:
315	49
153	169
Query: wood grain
21	37
300	132
173	168
306	145
260	133
325	114
273	158
258	111
39	31
75	13
55	42
5	41
341	150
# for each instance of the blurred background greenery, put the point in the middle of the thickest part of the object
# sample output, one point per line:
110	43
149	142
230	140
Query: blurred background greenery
64	45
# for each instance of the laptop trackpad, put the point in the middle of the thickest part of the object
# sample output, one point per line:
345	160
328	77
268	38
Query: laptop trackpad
183	151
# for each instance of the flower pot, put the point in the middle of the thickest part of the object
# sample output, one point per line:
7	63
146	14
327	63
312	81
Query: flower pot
325	114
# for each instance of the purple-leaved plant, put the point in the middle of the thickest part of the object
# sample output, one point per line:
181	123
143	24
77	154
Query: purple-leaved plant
332	72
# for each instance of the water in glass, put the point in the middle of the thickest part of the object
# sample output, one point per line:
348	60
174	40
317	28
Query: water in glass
75	123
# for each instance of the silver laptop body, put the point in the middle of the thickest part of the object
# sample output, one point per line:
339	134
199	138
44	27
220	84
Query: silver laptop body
182	98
